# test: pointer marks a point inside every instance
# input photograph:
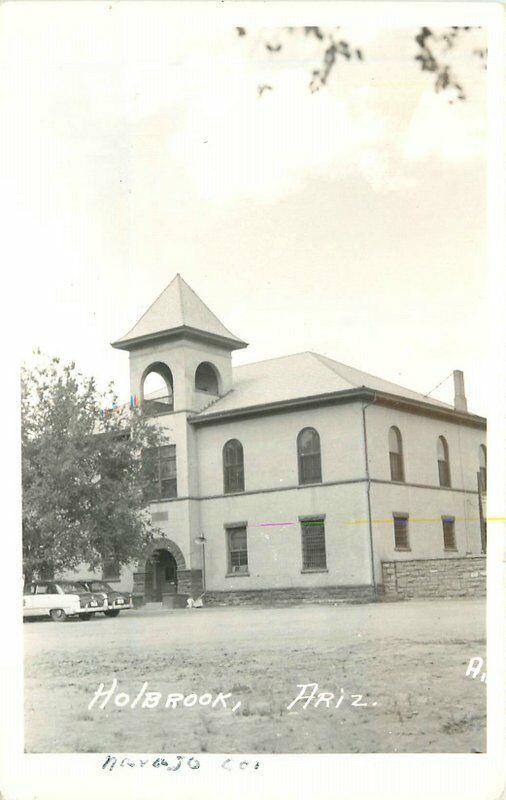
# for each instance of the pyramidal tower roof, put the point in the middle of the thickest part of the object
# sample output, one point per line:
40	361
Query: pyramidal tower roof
178	311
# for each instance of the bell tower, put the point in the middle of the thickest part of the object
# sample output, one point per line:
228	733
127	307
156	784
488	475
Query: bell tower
185	344
181	345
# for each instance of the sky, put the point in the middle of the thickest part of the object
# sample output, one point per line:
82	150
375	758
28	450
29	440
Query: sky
350	222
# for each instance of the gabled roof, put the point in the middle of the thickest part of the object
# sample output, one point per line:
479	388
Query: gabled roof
178	311
307	378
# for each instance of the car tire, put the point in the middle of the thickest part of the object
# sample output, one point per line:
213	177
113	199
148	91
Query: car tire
113	612
86	617
58	615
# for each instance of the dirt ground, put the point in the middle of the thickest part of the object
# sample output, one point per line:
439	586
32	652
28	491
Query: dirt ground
407	660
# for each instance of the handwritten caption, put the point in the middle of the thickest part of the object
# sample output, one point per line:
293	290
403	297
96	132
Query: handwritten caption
173	763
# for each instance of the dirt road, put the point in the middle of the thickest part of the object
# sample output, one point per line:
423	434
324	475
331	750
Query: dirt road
406	660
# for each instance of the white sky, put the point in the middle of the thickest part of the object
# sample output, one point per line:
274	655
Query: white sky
351	222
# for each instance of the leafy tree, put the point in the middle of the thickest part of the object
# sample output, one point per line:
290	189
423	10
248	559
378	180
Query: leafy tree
432	53
83	477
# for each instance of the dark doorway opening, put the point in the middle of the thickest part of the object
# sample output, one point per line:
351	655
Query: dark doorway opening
161	576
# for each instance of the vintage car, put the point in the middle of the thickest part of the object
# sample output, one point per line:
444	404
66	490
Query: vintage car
60	599
116	601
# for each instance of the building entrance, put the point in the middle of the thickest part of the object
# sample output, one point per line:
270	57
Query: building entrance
160	576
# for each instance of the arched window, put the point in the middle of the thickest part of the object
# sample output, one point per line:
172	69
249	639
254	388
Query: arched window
396	455
207	379
233	467
483	468
309	456
443	462
157	389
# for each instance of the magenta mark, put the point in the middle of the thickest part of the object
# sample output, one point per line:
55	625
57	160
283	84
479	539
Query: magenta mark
265	524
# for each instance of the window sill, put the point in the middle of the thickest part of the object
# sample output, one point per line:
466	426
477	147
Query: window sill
237	575
311	483
228	494
403	549
316	569
450	550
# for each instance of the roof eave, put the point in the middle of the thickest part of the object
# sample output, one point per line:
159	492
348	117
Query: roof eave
282	405
348	395
180	332
411	404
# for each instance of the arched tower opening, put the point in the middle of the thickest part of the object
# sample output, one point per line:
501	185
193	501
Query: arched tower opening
157	389
207	379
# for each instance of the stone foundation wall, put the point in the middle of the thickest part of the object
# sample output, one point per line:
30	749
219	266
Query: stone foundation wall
189	582
291	596
435	577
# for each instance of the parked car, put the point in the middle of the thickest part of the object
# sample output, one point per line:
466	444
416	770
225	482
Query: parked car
60	599
116	601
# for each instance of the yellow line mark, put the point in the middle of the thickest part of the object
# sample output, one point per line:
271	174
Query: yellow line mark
425	519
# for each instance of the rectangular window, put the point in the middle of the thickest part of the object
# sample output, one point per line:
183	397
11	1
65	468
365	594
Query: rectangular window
314	555
449	533
111	570
237	550
401	536
160	472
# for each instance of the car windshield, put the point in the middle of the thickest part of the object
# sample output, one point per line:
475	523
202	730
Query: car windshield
71	588
100	586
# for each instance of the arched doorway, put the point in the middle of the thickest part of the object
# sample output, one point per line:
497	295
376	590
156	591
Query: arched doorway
161	575
162	570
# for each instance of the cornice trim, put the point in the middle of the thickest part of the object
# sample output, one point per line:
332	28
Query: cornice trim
177	333
296	487
334	398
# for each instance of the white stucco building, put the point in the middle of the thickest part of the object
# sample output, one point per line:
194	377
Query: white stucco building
296	473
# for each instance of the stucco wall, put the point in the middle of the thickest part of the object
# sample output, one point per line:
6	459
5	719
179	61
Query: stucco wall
425	529
419	439
426	502
272	494
270	447
274	552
